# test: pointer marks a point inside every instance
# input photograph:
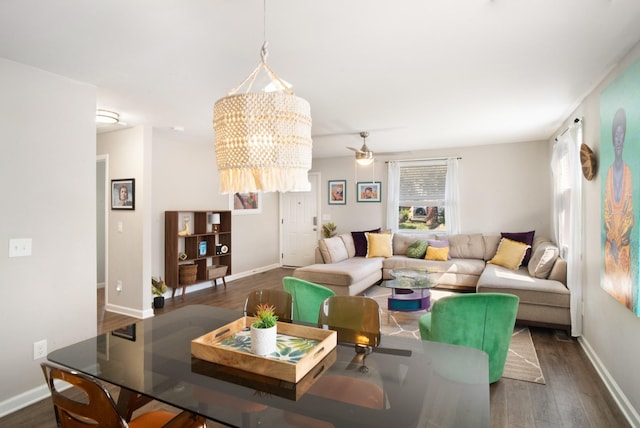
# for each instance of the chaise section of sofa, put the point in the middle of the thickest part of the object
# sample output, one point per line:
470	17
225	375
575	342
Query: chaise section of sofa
340	269
544	297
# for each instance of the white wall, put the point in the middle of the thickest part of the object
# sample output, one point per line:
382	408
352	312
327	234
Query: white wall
610	331
48	170
503	188
129	248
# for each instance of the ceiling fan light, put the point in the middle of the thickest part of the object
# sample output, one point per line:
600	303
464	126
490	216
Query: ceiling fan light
107	117
365	161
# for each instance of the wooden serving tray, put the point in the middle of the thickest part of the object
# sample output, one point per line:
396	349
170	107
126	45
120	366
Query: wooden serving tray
270	385
208	348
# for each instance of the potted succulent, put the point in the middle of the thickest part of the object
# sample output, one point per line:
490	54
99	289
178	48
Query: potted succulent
264	330
158	288
328	229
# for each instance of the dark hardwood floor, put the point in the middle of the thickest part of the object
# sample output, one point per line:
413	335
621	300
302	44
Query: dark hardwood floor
574	395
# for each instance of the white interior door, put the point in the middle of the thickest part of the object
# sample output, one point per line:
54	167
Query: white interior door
300	224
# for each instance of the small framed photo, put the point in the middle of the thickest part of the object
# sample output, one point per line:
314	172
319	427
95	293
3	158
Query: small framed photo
337	192
123	194
245	203
370	191
127	332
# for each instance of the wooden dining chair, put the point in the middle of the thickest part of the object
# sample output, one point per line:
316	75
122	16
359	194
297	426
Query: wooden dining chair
89	404
307	298
280	299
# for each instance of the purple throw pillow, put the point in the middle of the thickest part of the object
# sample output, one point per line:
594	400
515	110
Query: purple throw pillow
360	241
524	237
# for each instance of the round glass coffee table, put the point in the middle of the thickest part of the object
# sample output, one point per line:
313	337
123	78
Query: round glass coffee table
409	289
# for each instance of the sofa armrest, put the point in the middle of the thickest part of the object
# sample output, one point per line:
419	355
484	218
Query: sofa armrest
559	271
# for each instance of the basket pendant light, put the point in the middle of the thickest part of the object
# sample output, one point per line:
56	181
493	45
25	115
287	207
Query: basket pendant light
263	139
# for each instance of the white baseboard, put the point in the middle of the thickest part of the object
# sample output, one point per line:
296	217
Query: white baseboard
623	403
25	399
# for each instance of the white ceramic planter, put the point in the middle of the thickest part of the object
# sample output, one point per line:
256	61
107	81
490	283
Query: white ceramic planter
263	340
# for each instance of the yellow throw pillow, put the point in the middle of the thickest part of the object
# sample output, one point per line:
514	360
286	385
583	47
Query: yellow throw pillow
440	254
379	244
510	254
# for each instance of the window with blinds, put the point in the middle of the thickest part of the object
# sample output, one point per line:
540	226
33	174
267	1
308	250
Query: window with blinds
422	196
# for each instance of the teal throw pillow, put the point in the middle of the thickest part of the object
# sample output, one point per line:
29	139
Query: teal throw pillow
418	249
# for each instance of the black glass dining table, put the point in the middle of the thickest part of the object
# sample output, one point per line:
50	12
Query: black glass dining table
402	382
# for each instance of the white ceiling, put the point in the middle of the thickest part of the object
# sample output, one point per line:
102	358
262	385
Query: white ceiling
417	74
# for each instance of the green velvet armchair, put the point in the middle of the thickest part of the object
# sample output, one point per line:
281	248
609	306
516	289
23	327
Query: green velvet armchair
483	321
307	298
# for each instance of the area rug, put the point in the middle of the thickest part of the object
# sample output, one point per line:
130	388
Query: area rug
522	360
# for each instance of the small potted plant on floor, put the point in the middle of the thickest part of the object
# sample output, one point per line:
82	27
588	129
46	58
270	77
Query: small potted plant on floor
158	288
264	330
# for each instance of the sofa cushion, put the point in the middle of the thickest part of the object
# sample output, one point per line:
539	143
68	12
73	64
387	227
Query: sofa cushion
491	243
360	241
378	244
510	254
333	249
434	253
418	249
401	241
466	246
347	238
543	259
525	237
543	292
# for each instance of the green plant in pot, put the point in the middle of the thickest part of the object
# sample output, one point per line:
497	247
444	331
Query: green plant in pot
329	229
264	330
158	288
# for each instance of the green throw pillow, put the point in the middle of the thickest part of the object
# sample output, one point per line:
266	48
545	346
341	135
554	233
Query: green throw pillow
418	249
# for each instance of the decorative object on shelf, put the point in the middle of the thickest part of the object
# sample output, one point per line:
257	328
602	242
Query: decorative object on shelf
182	256
337	192
264	330
202	249
589	162
221	249
369	191
185	228
158	288
328	229
214	220
123	194
263	139
188	273
364	156
245	203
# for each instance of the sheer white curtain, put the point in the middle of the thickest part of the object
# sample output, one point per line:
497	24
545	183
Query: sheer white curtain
567	214
452	198
393	197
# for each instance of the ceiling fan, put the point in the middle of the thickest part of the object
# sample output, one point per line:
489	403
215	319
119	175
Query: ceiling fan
364	156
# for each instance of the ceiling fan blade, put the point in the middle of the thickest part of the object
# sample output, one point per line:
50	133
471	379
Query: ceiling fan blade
355	150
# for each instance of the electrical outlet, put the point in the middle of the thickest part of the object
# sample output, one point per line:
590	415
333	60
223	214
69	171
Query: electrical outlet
119	285
39	349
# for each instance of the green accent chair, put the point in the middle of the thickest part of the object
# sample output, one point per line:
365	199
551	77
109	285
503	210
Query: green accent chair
483	321
307	298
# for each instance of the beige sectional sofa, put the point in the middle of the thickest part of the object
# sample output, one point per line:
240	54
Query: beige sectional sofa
544	297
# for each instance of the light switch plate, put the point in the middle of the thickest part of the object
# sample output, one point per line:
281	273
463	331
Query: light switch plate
20	247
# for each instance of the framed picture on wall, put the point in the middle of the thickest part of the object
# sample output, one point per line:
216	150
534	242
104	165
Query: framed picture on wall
123	194
337	192
245	203
369	191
